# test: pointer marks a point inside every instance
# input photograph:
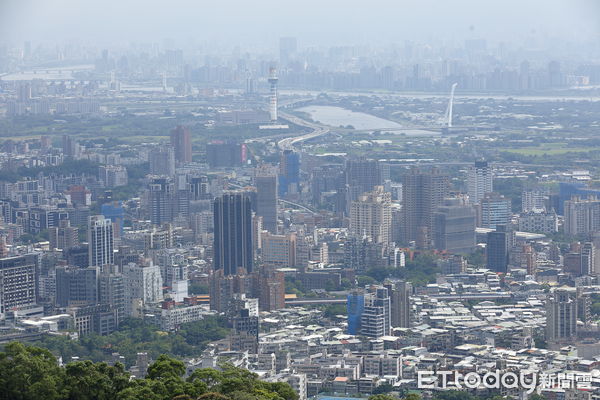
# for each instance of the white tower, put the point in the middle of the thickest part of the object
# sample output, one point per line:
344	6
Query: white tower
448	116
273	94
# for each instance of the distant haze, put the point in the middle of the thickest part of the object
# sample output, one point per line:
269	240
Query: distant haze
314	22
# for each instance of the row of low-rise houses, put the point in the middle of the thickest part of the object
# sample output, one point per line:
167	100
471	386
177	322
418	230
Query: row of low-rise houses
319	359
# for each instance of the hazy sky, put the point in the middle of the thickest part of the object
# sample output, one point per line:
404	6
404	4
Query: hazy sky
312	21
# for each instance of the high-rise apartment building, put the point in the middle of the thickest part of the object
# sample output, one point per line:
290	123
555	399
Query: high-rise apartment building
76	286
18	286
423	191
111	291
589	259
362	176
245	330
270	286
100	241
561	315
64	236
70	147
158	238
400	306
278	251
143	284
326	180
533	200
113	175
375	320
582	216
479	181
454	227
265	181
162	161
226	289
371	216
161	199
199	187
233	234
181	141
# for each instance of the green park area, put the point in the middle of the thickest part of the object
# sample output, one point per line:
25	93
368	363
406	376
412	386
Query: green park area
550	149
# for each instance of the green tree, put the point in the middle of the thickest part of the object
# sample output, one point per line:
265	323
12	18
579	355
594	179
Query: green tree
30	373
208	376
96	381
166	367
199	289
364	280
331	310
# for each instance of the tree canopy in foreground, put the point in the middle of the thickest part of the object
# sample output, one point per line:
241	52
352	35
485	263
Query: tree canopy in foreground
29	372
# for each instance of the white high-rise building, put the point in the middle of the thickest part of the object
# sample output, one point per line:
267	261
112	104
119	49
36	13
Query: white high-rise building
375	320
532	201
100	241
143	284
371	216
582	216
479	181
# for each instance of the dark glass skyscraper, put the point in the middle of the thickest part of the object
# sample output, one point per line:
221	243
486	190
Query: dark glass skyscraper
497	249
233	233
182	143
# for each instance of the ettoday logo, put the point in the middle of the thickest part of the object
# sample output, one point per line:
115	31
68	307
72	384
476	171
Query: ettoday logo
522	380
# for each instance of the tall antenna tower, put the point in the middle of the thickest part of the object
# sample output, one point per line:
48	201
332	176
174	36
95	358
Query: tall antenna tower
273	79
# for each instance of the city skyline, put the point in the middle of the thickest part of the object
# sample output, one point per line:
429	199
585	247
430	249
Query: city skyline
300	200
314	23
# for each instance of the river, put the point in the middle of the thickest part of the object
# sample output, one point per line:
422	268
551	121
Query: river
339	116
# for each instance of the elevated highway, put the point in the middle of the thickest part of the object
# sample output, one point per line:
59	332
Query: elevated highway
317	130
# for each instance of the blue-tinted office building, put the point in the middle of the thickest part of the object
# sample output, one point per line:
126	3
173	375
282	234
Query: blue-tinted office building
116	213
289	171
355	306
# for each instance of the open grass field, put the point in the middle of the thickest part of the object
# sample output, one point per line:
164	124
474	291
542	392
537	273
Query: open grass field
550	149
